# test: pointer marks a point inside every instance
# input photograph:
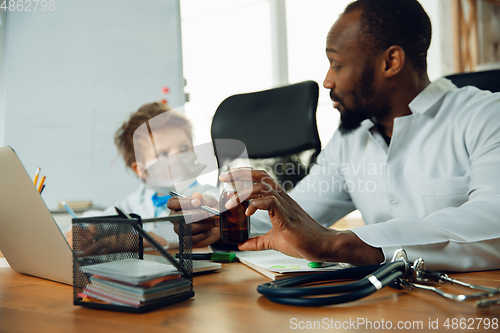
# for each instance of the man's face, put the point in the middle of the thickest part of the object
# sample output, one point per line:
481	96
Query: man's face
350	77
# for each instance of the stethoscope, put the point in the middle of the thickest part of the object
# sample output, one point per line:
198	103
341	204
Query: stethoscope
398	273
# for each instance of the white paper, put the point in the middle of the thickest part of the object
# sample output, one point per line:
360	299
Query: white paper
280	263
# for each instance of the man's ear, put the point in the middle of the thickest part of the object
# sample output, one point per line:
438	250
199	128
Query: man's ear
394	59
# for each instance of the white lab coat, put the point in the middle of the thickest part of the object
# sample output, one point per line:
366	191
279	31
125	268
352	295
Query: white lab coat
140	202
435	190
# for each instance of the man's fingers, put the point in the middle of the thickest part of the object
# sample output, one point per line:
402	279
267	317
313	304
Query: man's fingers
205	199
203	226
183	203
251	192
92	229
257	243
193	202
246	174
198	215
205	238
271	204
239	174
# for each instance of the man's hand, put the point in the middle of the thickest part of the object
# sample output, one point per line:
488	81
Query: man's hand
206	230
294	232
86	234
88	244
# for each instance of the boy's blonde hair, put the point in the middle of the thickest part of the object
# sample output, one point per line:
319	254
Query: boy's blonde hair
124	137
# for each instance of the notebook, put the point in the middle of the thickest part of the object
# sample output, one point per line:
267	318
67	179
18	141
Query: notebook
130	270
276	265
30	239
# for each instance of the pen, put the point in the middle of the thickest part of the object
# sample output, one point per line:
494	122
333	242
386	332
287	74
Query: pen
42	188
204	207
35	180
217	257
71	212
68	209
41	184
315	264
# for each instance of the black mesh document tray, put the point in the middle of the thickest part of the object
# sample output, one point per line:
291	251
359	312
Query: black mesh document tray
129	265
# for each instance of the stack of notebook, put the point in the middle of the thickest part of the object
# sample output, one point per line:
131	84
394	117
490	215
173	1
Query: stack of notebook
132	282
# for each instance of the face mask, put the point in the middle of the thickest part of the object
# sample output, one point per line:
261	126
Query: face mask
173	173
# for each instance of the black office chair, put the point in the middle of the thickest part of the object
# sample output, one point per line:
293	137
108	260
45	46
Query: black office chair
486	80
278	123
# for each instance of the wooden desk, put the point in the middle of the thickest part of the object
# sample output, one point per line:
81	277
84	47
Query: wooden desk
226	301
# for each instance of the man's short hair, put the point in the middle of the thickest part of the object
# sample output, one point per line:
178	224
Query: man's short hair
405	23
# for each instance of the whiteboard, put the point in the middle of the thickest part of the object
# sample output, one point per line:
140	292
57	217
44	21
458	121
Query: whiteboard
72	76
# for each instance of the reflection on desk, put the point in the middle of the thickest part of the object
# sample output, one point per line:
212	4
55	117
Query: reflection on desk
227	301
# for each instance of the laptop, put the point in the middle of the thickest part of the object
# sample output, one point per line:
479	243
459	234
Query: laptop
30	239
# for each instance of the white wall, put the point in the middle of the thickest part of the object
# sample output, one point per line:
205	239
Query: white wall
440	58
73	75
308	24
226	50
2	50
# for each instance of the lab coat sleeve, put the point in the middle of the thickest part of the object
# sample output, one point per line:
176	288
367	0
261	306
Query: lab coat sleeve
132	203
461	238
321	193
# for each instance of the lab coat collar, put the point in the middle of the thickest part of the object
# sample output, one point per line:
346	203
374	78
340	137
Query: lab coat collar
424	101
428	97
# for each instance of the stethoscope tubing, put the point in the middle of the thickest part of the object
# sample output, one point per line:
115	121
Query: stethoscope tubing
373	277
339	299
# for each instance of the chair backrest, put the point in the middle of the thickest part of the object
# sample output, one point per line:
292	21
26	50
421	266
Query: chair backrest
486	80
272	123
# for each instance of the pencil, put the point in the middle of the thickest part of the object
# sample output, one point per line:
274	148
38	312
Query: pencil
35	180
41	185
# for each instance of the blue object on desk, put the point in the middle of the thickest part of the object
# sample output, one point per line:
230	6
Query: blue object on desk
68	209
71	212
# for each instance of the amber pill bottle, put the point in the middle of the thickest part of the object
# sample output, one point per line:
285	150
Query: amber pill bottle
234	224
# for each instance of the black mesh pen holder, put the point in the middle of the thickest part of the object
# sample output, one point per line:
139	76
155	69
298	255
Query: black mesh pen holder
128	264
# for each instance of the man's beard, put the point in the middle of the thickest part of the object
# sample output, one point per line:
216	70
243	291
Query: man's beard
351	118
